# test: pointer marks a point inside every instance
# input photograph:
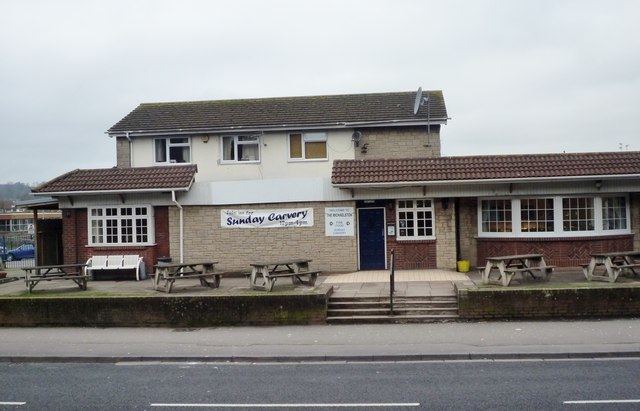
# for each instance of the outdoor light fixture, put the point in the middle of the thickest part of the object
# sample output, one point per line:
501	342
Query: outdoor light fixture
598	184
445	203
205	138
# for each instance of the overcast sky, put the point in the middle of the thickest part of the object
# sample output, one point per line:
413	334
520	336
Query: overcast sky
518	77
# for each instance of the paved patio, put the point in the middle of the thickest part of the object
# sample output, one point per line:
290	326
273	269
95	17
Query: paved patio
382	276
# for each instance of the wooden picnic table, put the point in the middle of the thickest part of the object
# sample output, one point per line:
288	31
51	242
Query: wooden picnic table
270	271
614	264
73	272
201	270
510	265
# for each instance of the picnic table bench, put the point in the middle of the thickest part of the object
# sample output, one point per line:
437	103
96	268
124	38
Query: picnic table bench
169	273
296	268
614	263
510	265
73	272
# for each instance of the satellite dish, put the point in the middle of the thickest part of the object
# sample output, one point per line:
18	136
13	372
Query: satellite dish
420	101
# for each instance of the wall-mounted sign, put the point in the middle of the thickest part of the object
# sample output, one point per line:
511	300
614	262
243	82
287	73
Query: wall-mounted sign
338	221
285	217
391	230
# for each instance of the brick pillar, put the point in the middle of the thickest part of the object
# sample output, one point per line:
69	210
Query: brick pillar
445	233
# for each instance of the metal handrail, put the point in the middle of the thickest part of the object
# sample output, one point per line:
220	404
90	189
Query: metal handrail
392	281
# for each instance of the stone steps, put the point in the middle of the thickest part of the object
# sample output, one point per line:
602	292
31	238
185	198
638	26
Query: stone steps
368	310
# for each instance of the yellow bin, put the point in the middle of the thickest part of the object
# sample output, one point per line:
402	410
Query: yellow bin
464	266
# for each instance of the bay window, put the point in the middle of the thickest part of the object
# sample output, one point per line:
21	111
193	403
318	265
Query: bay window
308	146
240	149
559	216
130	225
415	219
172	150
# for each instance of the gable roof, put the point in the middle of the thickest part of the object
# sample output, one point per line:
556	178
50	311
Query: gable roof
163	178
282	112
494	167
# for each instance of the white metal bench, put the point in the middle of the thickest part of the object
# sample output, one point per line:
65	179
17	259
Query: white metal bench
116	262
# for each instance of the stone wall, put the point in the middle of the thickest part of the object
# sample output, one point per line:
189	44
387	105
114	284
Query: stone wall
400	142
167	311
635	219
123	152
236	248
509	303
468	218
445	233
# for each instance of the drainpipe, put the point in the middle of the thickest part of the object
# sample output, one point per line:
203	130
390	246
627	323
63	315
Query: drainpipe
173	198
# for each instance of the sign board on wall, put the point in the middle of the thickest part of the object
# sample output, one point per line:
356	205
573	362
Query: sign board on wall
283	217
338	221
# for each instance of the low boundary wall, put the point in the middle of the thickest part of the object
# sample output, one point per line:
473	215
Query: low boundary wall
166	311
548	303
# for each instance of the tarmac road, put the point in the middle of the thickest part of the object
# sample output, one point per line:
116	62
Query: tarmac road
515	384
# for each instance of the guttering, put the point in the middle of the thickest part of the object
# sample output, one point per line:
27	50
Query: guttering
487	181
90	192
175	201
281	127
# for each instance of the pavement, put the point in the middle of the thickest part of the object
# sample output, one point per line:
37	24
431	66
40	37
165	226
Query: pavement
469	385
394	342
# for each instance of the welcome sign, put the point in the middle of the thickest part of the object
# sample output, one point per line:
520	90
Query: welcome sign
285	217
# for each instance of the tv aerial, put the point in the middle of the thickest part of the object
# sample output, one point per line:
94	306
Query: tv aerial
422	100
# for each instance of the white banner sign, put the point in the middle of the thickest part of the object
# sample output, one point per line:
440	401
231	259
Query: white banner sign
338	221
285	217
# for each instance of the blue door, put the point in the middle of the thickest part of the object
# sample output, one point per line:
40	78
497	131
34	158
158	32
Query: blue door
371	237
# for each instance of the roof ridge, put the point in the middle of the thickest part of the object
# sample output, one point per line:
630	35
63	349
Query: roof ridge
384	93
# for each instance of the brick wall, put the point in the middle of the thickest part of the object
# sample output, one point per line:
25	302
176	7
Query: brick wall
123	152
74	239
399	142
424	254
561	252
236	248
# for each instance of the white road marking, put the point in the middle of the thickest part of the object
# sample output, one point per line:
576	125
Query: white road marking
310	405
12	402
602	401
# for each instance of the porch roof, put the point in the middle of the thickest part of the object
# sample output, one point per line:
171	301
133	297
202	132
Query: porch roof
120	180
485	168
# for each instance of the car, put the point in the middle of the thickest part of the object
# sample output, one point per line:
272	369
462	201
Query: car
19	253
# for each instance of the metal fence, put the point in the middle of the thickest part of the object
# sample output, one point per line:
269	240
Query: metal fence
11	252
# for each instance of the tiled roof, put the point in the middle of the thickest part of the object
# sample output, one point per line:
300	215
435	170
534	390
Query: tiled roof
485	167
281	112
121	179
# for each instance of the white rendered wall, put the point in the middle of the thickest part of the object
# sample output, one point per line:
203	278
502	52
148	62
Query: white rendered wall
274	154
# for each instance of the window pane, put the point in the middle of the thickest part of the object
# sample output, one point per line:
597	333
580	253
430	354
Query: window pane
315	150
295	146
614	213
248	152
415	218
179	140
161	150
496	216
228	148
577	214
536	215
179	154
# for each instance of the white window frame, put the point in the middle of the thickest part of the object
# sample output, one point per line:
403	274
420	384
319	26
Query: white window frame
235	148
168	145
150	226
558	222
311	140
415	210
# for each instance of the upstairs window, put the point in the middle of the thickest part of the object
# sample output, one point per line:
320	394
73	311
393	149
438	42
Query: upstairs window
120	225
173	150
241	149
308	146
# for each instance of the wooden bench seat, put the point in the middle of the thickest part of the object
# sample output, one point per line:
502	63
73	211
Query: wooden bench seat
623	266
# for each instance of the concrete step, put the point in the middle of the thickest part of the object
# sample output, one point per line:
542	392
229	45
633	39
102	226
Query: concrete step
397	304
389	319
363	312
397	299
